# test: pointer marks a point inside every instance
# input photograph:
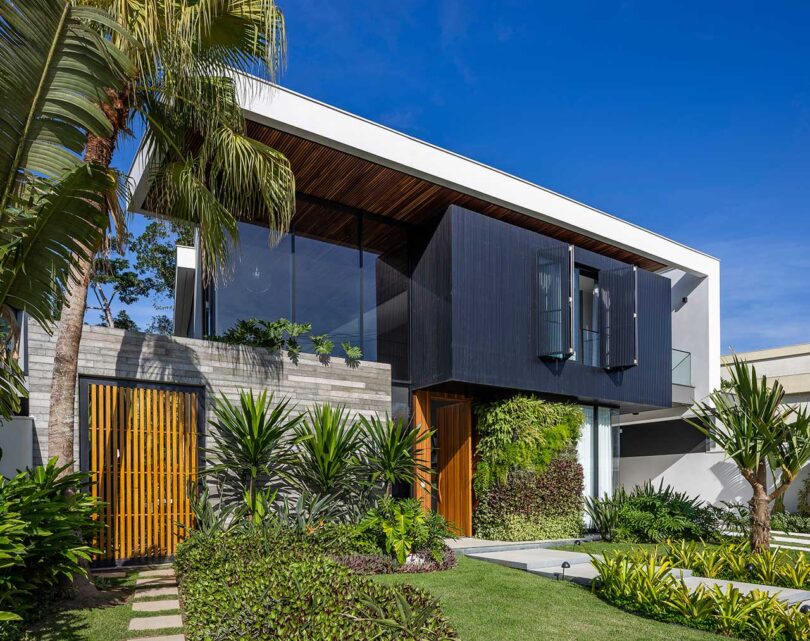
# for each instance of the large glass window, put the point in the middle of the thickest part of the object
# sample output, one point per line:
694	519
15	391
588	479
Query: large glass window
327	274
258	282
385	295
586	318
346	274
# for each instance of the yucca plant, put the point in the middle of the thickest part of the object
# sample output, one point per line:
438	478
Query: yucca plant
390	452
326	445
251	444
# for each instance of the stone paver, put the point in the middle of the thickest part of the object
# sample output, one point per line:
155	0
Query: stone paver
157	572
109	574
156	606
533	559
156	581
788	595
156	623
153	592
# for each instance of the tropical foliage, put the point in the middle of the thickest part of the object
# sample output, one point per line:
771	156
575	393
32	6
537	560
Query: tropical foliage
648	514
527	479
269	584
285	335
57	69
644	582
768	439
44	520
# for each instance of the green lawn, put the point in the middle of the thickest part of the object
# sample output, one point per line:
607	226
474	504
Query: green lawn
105	619
598	547
489	602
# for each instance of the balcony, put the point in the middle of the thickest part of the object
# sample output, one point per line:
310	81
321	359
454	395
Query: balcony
683	392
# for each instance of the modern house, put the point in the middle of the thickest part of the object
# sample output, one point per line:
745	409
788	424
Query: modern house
682	457
459	283
469	283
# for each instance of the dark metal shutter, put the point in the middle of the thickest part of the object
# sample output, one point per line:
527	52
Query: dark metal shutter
619	319
555	274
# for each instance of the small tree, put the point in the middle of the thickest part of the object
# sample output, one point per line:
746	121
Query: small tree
765	437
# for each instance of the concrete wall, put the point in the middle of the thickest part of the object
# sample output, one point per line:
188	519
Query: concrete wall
114	353
690	322
17	444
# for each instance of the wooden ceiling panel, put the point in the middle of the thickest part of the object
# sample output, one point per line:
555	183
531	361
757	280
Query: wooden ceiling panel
332	175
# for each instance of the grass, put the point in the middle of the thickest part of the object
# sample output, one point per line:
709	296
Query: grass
106	618
599	547
489	602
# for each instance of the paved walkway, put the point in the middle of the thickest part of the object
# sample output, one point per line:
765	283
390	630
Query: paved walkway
156	606
548	563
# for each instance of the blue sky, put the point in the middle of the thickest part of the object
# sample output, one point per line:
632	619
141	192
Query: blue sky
691	119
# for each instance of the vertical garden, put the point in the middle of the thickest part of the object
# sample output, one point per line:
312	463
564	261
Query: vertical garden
527	481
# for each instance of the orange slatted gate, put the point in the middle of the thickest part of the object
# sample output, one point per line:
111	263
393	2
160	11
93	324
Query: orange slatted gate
140	442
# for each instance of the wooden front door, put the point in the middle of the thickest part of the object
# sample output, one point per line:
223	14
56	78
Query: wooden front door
449	490
140	445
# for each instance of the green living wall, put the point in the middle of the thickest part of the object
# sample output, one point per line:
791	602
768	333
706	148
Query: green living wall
528	483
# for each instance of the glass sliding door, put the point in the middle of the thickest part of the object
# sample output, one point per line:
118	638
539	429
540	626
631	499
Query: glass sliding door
585	452
605	452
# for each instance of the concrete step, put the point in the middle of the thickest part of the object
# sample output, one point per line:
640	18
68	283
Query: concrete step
156	606
532	559
788	595
156	581
166	622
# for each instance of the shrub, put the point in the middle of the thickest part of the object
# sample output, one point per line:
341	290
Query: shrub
44	521
522	433
650	515
642	582
265	585
402	526
534	506
787	522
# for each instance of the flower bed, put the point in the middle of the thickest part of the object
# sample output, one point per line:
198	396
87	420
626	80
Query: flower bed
264	584
642	583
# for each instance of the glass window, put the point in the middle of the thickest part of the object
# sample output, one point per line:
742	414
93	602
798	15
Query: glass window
586	318
258	282
327	274
385	295
586	452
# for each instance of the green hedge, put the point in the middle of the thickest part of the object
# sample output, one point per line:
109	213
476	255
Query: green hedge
527	481
265	585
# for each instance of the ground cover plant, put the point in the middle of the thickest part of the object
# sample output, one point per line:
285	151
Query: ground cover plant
266	582
527	480
643	582
648	514
45	520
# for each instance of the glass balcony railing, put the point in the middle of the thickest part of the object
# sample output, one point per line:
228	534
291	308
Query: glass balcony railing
681	367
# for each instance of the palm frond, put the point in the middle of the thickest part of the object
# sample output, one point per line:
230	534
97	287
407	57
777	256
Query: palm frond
56	68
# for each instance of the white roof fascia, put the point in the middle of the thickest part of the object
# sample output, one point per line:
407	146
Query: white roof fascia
300	115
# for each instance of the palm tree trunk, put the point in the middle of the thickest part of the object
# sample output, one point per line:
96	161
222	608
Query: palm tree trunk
61	422
760	520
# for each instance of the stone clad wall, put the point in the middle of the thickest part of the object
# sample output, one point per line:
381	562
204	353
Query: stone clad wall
218	368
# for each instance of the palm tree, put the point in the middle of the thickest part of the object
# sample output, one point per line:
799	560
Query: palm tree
208	172
55	71
765	437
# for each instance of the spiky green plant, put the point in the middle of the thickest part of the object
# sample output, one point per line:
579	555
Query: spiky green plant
389	452
251	444
326	445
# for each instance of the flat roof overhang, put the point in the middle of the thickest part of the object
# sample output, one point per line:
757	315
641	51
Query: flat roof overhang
340	158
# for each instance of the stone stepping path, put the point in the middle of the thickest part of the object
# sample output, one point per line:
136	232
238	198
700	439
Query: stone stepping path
153	612
548	563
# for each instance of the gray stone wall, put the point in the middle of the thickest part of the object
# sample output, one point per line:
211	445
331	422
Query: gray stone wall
114	353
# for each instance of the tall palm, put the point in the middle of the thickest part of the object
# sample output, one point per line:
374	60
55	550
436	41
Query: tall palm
768	439
207	171
55	71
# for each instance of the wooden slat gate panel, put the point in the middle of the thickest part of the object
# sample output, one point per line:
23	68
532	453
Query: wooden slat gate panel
141	447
